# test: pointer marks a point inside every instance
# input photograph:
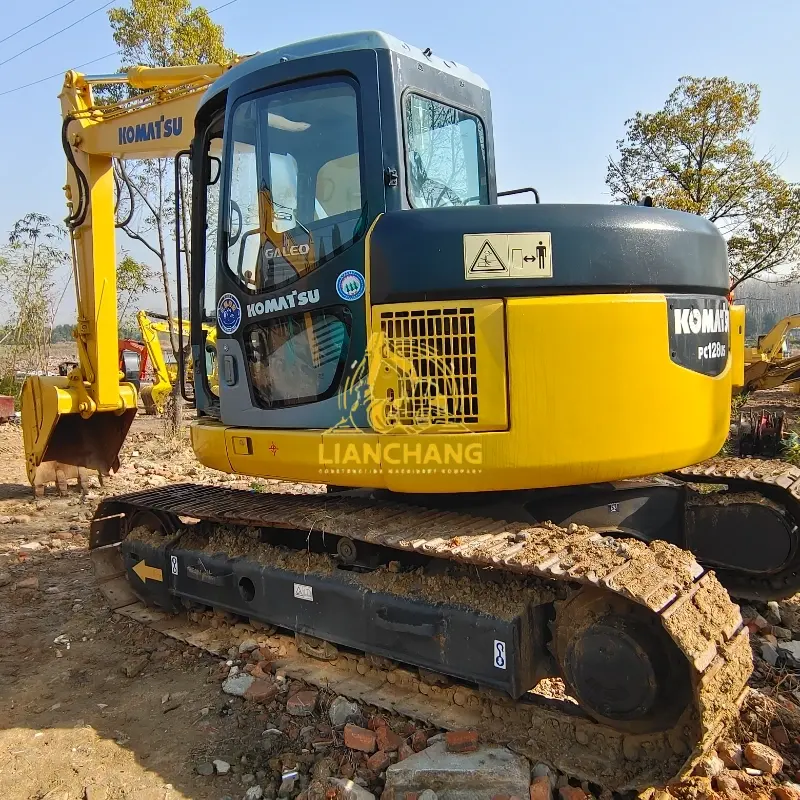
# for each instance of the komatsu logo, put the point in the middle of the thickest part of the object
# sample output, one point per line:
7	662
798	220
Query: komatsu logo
162	128
709	320
293	300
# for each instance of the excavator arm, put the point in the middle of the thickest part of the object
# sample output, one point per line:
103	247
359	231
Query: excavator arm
79	421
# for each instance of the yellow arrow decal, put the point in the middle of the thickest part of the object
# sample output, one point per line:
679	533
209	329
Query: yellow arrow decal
146	573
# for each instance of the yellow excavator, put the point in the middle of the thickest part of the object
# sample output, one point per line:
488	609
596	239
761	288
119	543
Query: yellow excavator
384	326
768	364
165	373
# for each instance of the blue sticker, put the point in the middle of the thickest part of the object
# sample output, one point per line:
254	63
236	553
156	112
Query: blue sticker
350	285
229	313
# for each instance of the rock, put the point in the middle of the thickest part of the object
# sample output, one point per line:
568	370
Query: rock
428	794
359	739
763	758
788	791
31	547
726	784
28	583
254	793
261	691
783	634
730	753
64	536
769	653
248	777
222	767
544	771
378	762
20	519
206	768
237	684
134	667
462	741
247	646
791	651
779	736
341	710
541	788
404	751
387	739
5	578
302	704
351	790
486	772
709	766
773	613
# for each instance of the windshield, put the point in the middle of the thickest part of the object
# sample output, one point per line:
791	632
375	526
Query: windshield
446	154
295	183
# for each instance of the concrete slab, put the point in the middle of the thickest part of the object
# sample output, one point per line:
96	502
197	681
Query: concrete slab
480	775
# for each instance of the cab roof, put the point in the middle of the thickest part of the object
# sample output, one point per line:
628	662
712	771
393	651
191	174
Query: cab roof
338	43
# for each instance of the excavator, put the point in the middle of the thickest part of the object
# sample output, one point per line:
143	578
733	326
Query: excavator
386	328
165	374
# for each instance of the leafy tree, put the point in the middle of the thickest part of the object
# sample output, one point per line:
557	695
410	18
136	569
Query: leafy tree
27	271
694	155
160	33
134	278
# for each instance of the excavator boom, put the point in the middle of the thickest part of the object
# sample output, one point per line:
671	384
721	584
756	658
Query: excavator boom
81	420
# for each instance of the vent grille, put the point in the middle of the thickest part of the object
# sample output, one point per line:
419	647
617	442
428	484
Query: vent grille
434	355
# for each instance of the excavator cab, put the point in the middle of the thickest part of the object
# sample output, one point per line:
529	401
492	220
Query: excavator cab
365	284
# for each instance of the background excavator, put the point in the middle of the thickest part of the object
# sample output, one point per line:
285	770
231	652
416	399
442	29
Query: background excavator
385	327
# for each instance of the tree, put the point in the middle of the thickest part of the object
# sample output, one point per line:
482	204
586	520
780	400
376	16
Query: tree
160	33
134	278
694	155
27	271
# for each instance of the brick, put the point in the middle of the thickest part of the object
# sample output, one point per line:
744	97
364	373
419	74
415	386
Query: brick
419	741
404	751
378	762
540	788
376	722
731	754
762	757
261	691
463	741
302	704
572	793
387	739
787	792
357	738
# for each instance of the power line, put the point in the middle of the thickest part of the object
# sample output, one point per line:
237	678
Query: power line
53	35
31	24
57	74
85	63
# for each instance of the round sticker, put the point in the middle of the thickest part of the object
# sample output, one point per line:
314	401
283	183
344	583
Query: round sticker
229	313
350	285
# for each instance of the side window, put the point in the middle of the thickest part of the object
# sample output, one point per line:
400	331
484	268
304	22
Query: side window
446	155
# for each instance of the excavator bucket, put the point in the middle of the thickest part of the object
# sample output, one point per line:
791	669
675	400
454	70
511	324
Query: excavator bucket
64	438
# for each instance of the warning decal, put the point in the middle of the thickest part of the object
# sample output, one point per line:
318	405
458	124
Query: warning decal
489	256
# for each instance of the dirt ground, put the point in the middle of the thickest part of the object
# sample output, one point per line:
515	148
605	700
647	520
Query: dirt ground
94	707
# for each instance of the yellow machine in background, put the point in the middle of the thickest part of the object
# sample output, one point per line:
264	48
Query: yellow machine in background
165	372
769	364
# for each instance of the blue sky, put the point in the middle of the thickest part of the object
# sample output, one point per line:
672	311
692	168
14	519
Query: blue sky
564	76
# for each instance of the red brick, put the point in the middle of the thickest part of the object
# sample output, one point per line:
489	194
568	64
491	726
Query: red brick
404	751
540	788
762	757
6	406
261	691
302	704
359	738
387	739
572	793
463	741
376	722
412	796
419	741
379	761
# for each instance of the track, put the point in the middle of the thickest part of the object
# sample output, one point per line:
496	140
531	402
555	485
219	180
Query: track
779	483
667	586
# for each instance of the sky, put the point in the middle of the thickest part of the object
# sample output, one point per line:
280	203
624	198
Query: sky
564	76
